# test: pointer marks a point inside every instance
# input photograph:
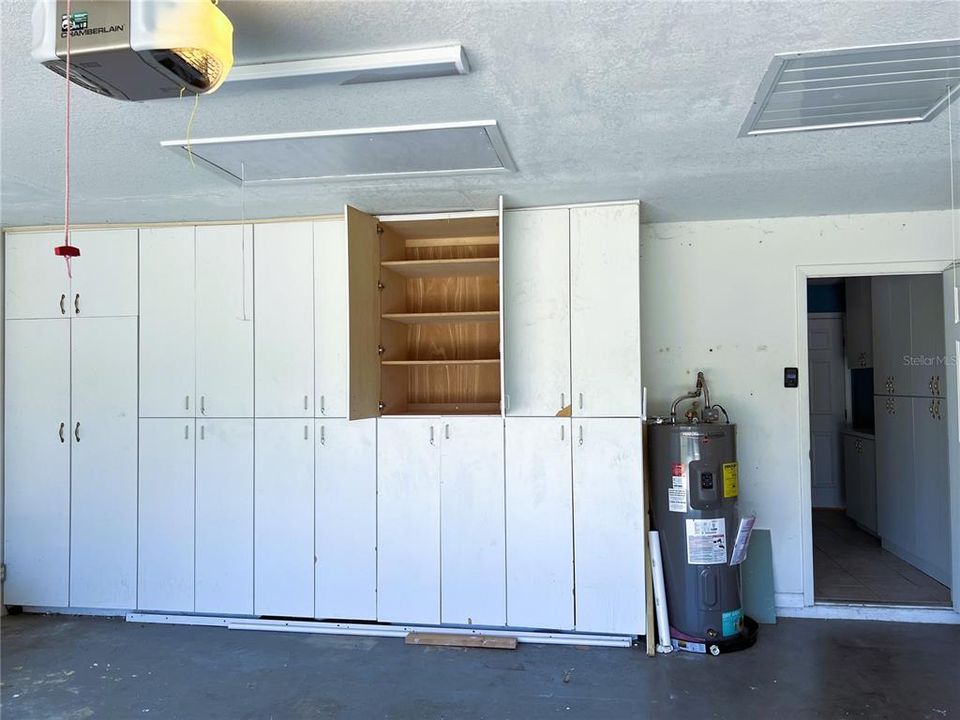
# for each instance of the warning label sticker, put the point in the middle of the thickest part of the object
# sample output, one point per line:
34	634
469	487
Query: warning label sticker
706	542
731	479
677	494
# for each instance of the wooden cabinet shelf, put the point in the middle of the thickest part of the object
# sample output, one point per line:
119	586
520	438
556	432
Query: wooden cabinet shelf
444	268
414	363
433	318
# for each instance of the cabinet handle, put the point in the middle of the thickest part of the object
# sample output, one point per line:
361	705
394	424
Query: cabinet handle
580	441
506	402
562	403
306	433
306	406
76	432
63	299
323	435
446	431
431	435
581	401
62	426
323	405
76	303
186	432
203	407
186	402
201	432
563	433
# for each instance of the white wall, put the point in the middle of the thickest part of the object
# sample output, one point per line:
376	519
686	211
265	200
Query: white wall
722	297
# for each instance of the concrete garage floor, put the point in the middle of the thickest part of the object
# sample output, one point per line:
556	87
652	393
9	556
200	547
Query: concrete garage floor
72	667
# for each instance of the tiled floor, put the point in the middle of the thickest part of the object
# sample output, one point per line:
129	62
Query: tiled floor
850	565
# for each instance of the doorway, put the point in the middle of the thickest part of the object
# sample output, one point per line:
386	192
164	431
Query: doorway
879	457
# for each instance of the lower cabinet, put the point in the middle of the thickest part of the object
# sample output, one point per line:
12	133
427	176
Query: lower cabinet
224	517
166	515
346	519
860	480
608	535
283	517
931	449
539	523
440	521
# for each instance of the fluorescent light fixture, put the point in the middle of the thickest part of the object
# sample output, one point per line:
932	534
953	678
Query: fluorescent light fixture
366	68
382	152
855	87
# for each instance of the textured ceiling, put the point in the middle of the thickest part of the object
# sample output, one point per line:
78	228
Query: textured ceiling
597	101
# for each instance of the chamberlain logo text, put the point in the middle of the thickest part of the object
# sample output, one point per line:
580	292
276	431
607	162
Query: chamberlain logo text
78	25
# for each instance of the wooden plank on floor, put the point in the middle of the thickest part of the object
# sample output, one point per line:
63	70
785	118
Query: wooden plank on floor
458	640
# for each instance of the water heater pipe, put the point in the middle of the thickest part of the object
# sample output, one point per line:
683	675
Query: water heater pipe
659	595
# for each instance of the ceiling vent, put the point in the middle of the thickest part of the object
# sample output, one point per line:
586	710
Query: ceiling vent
367	153
855	87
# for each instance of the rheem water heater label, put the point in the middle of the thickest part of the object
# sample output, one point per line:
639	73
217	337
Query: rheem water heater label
677	493
707	541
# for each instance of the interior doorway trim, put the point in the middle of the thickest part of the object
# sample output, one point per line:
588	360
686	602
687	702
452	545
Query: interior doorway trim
811	607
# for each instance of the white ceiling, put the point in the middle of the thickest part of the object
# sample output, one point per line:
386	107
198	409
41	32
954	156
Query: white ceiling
596	100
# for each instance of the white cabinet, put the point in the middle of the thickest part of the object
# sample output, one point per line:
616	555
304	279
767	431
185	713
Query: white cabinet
331	316
539	523
932	487
224	516
224	321
346	519
167	322
891	335
608	526
105	275
858	323
605	310
536	311
927	371
37	462
896	497
859	471
408	520
166	516
103	433
36	281
472	587
283	518
283	318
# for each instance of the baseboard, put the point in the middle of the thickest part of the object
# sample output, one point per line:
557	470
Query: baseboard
881	613
788	600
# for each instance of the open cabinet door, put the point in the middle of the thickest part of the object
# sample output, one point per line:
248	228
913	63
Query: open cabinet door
503	396
951	393
363	277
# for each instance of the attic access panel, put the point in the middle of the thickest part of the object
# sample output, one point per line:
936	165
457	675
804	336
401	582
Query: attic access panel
853	87
438	149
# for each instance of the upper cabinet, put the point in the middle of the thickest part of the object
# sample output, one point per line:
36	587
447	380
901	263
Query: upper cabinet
224	321
858	323
536	307
424	298
605	310
928	372
104	280
284	323
330	318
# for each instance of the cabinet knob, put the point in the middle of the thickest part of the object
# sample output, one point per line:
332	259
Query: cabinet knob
323	435
76	303
431	435
62	426
580	439
323	407
446	431
203	407
63	300
581	401
76	432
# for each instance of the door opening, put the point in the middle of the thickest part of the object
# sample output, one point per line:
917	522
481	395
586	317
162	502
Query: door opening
879	458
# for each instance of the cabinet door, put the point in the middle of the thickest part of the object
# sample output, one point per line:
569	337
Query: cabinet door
608	510
858	323
896	484
900	346
852	456
868	485
605	310
539	523
224	517
167	326
37	463
283	518
932	479
224	313
536	311
283	272
472	532
166	534
346	519
103	497
331	318
36	280
927	371
408	521
106	273
882	340
363	276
